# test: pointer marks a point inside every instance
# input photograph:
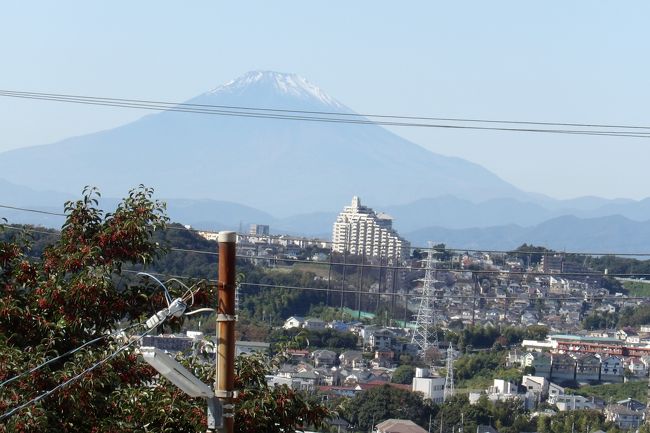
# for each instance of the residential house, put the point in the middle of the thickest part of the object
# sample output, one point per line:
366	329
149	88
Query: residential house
381	339
324	358
554	389
503	390
299	376
623	417
356	376
571	402
540	361
337	325
305	380
352	359
383	358
633	404
298	355
406	348
563	367
293	322
515	358
637	367
398	426
501	386
328	376
536	384
314	324
587	368
611	369
541	387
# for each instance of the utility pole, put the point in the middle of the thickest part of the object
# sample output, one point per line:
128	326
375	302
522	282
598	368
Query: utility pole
449	380
225	380
462	422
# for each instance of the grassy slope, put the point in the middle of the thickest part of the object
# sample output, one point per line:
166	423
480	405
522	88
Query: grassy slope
617	391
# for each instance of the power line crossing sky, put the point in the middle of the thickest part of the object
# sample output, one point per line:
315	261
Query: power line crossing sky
553	61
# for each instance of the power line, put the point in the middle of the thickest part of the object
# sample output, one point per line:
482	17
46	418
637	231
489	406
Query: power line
179	107
31	210
397	267
413	295
66	354
74	378
330	113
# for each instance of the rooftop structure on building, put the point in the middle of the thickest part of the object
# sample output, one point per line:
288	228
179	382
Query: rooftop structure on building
361	231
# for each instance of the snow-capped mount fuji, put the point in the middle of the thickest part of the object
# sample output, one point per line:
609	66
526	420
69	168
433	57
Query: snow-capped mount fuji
268	89
281	166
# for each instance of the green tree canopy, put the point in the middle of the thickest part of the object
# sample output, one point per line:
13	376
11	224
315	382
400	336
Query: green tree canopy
403	374
385	402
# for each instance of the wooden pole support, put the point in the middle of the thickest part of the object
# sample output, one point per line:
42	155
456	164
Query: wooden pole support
225	380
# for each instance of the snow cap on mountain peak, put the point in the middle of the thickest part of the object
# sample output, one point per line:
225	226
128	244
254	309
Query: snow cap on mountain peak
284	83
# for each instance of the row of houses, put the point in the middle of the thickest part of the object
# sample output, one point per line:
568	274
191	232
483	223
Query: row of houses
386	343
587	367
627	414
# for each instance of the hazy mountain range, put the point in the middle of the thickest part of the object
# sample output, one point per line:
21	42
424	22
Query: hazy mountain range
220	172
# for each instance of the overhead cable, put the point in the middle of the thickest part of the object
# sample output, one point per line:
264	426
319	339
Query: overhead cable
589	298
401	267
66	354
75	377
138	104
331	113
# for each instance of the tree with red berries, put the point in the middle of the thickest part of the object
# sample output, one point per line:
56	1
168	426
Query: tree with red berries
76	293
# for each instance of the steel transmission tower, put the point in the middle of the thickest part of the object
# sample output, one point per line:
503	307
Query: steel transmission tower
449	380
424	335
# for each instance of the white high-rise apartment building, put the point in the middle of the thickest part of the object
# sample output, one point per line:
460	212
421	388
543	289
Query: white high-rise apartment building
360	231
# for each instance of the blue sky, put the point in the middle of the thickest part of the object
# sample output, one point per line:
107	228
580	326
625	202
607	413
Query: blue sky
578	61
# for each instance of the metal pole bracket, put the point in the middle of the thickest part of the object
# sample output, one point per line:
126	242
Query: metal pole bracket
222	393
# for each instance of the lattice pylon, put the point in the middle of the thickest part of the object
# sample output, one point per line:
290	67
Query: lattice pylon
449	380
424	336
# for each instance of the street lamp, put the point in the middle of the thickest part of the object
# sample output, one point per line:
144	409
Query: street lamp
173	371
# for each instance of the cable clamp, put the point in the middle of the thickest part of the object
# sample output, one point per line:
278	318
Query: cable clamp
221	393
226	286
226	318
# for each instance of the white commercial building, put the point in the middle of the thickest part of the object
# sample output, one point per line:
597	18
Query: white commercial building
360	231
432	388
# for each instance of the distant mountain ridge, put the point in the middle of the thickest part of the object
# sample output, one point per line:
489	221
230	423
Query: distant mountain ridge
285	167
611	234
494	224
